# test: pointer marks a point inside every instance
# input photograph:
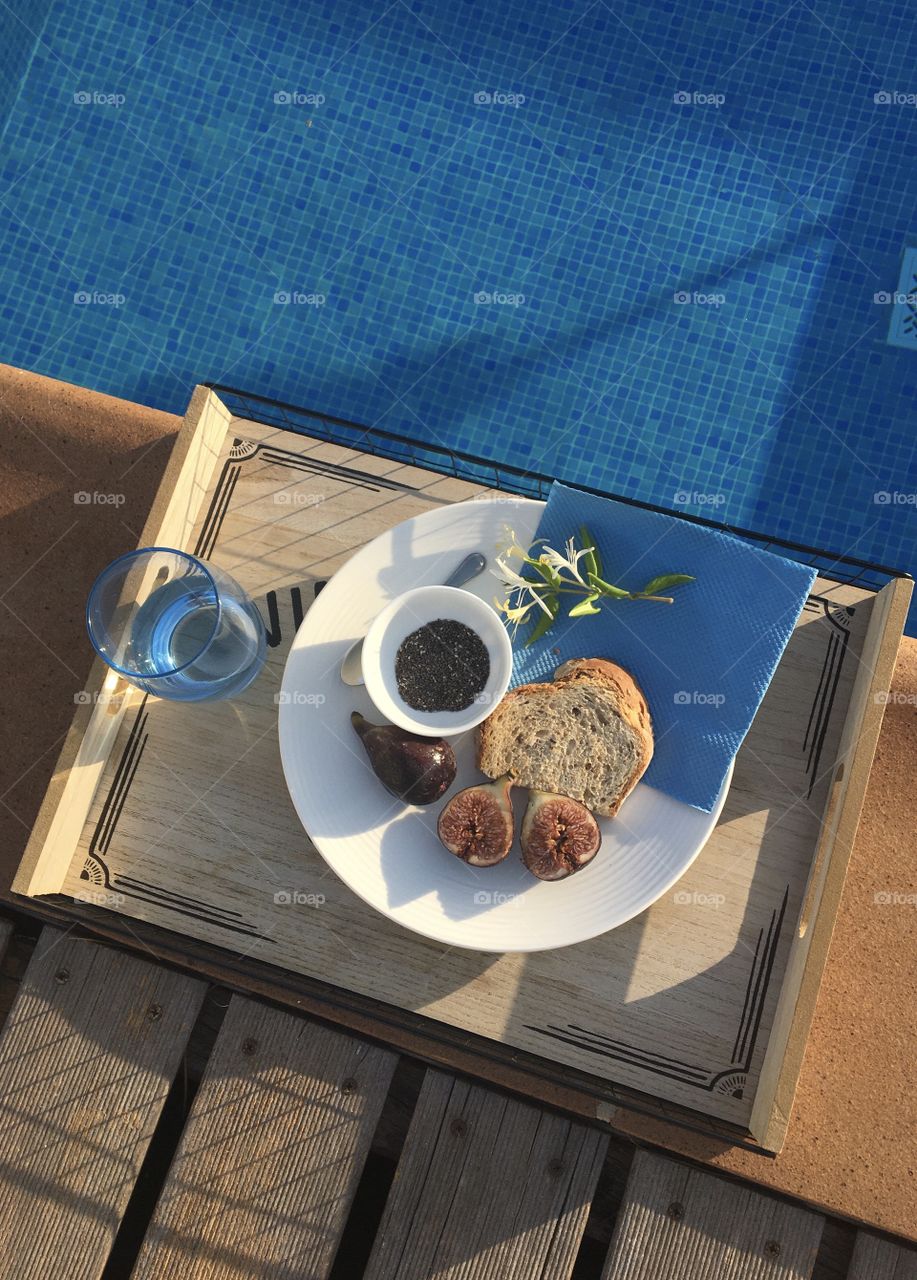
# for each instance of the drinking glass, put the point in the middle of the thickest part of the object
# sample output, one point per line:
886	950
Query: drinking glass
175	626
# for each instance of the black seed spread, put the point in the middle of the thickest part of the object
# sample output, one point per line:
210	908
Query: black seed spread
442	666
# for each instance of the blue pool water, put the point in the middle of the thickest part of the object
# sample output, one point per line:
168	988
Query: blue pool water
637	245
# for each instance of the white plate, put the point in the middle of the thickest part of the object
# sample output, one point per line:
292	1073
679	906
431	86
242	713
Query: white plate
388	852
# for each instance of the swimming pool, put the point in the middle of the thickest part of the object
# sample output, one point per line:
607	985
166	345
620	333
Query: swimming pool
639	246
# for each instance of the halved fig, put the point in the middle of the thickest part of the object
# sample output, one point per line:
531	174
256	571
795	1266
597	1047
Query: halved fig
559	836
477	823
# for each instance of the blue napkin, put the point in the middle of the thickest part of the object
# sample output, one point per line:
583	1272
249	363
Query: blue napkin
705	661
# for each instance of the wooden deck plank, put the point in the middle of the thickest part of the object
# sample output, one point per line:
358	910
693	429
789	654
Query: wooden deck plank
877	1259
486	1189
87	1056
271	1154
683	1224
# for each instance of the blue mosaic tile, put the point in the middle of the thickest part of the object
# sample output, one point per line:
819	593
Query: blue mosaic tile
644	247
22	25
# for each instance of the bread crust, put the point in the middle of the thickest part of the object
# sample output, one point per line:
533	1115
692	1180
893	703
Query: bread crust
630	704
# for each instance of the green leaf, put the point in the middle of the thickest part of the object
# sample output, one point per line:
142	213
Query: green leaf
547	571
545	620
665	581
606	589
592	560
585	606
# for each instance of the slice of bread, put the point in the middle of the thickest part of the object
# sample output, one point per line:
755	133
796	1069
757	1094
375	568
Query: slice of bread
586	734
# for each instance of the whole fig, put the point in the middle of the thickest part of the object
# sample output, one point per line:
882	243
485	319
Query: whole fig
477	823
558	837
415	769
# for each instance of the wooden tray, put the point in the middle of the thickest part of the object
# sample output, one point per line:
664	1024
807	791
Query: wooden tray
177	815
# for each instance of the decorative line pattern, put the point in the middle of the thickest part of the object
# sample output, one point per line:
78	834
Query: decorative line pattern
242	451
121	784
312	466
735	1075
739	1045
216	512
273	629
184	905
820	714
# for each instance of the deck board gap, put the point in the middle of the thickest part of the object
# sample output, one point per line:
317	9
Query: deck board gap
167	1136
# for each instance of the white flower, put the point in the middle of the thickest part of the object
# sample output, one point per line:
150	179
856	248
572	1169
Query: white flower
515	613
533	591
569	562
509	577
509	546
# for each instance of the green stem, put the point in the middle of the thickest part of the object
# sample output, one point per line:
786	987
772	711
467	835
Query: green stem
587	591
